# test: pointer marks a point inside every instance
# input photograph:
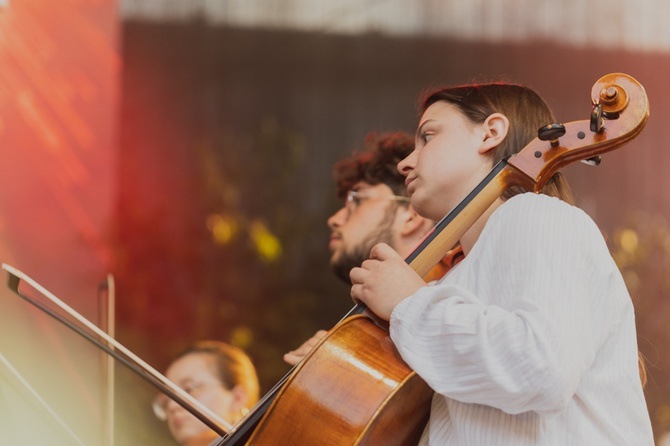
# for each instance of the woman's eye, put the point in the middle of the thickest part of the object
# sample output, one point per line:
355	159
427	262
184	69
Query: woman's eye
425	137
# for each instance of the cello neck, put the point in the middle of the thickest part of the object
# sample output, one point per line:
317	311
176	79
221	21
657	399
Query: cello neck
448	231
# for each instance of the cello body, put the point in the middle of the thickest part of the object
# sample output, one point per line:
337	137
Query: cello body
344	395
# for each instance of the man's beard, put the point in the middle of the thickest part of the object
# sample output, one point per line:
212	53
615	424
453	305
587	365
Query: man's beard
352	257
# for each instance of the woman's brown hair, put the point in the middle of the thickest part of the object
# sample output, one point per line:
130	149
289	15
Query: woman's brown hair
523	107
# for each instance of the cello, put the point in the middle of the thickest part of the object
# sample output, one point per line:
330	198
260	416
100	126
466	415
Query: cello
353	387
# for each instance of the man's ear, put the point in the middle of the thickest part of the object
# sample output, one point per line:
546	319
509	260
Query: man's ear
412	223
495	128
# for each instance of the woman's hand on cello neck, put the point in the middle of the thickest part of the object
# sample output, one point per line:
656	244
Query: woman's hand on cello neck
383	281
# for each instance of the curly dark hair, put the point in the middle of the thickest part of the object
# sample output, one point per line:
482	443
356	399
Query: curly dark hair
377	164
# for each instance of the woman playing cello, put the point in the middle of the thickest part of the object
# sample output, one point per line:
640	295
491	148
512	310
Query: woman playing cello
530	340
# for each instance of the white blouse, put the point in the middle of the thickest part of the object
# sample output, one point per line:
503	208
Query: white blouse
530	340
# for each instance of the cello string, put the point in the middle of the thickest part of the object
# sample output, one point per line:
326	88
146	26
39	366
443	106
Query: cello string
40	400
140	367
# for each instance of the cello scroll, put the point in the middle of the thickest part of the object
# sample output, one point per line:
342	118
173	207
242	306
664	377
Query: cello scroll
622	112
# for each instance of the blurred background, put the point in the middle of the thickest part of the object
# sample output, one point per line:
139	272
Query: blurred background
181	150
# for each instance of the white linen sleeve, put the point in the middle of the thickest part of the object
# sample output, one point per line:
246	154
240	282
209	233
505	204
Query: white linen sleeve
521	325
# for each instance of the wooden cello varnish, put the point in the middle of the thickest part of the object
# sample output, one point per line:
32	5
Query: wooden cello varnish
356	380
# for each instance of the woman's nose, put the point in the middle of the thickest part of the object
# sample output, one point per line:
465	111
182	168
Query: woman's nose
406	165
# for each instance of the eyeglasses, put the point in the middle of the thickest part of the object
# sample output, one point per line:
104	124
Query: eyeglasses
354	199
161	401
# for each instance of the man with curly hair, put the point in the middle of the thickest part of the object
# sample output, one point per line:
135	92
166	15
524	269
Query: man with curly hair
375	209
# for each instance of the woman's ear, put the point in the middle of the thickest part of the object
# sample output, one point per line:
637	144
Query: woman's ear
495	128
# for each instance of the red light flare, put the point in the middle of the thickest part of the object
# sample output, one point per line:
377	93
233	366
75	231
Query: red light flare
53	57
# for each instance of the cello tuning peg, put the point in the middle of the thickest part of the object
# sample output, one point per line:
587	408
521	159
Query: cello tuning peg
597	120
551	133
594	161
